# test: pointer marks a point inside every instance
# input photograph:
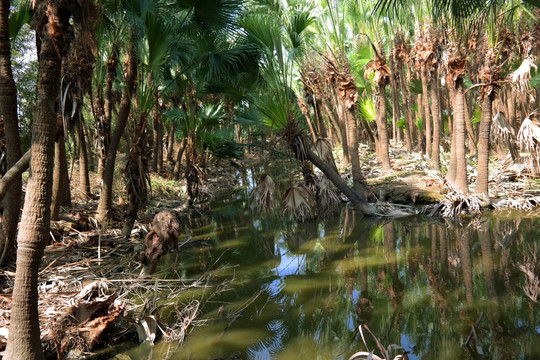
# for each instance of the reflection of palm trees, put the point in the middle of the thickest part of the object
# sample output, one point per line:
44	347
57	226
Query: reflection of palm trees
463	238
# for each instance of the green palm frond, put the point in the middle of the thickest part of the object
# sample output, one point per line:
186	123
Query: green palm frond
367	110
263	30
211	15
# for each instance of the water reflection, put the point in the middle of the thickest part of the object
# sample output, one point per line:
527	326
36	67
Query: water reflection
301	290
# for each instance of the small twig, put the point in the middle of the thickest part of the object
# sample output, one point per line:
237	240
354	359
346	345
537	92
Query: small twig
473	331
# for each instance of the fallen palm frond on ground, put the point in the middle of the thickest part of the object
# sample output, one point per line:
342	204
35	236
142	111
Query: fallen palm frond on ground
455	203
83	295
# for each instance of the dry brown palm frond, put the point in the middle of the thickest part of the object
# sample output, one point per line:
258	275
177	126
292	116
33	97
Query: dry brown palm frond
529	135
521	77
455	203
323	149
264	194
502	128
528	203
298	202
327	193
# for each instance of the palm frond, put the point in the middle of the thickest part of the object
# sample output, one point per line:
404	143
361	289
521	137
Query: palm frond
264	194
327	193
298	202
529	135
502	128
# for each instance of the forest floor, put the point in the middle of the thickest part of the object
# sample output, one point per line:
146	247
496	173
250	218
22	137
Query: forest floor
90	292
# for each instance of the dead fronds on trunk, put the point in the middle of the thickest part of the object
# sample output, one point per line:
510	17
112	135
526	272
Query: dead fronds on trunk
264	194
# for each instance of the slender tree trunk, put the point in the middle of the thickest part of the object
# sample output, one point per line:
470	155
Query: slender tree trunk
320	123
436	112
395	101
482	178
382	129
342	126
459	118
24	334
409	125
157	159
468	126
8	112
13	173
170	145
105	118
451	173
105	201
352	140
333	123
424	76
84	177
57	188
178	164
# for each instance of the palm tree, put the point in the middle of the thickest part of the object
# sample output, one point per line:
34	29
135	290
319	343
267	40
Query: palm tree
52	21
10	124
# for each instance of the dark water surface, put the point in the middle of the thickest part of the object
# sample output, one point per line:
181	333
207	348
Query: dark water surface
300	291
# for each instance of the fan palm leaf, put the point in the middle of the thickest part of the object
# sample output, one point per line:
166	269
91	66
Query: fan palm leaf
298	202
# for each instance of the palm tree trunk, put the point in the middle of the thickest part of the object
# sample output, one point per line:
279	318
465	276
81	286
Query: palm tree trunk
352	144
424	76
84	177
459	118
436	113
8	112
24	334
382	129
409	126
178	164
57	188
468	126
451	173
105	201
170	145
358	202
395	101
15	171
157	159
482	177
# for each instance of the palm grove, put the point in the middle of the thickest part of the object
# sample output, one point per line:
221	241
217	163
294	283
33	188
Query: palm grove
174	85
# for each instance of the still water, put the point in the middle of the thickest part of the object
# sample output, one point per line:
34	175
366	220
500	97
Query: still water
300	291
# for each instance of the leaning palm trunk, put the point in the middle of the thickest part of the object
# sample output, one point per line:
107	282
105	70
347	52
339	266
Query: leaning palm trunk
24	334
328	170
8	112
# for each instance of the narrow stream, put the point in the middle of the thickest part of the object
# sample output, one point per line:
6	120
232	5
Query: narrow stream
300	291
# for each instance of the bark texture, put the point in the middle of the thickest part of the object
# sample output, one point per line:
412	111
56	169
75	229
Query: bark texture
482	178
105	200
8	112
24	335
